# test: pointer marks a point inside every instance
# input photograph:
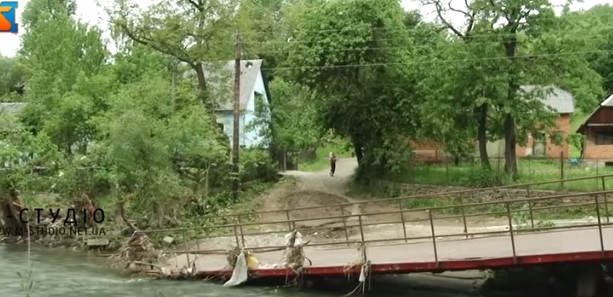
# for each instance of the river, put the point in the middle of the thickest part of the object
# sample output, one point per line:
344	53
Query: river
60	273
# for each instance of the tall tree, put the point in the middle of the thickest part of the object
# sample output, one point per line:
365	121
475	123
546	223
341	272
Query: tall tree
470	86
192	31
522	45
58	53
11	79
355	53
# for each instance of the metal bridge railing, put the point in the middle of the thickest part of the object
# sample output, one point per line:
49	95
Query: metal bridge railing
462	196
240	232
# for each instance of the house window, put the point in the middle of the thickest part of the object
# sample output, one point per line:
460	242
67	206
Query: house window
259	102
604	138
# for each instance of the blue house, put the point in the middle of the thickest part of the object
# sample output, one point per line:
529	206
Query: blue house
254	96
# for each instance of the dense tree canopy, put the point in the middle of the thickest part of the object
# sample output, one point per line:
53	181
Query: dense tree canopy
135	127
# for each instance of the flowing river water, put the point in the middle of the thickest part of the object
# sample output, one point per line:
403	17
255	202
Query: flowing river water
60	273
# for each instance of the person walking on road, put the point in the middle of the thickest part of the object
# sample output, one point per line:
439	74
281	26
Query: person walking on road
332	158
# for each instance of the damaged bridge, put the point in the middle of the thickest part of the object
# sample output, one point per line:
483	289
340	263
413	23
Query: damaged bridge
394	247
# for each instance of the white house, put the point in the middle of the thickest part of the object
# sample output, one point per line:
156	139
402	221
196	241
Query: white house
254	95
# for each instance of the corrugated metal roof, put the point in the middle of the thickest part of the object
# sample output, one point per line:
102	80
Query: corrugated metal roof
608	102
12	108
555	98
220	79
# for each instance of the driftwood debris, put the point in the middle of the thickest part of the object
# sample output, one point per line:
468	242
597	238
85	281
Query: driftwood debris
11	206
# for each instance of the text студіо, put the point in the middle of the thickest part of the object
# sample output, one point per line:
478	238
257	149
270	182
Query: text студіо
97	215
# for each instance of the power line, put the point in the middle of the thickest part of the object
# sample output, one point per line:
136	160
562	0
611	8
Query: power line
415	30
438	61
581	38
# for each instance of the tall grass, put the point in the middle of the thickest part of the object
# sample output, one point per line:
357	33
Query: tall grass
27	278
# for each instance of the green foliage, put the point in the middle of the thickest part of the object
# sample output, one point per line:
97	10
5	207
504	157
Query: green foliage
11	79
132	128
294	117
370	105
129	132
256	164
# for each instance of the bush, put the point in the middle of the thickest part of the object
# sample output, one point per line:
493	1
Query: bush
256	164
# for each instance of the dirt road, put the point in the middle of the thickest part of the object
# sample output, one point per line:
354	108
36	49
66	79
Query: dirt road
311	200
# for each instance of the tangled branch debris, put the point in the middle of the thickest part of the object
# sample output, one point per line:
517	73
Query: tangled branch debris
137	250
363	267
294	256
232	256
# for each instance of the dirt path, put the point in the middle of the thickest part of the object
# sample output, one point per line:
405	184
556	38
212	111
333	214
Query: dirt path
311	199
322	193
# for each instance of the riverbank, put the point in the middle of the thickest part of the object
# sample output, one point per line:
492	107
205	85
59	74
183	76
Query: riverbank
297	191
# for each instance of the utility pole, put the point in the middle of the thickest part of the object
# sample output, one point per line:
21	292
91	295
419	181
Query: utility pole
236	122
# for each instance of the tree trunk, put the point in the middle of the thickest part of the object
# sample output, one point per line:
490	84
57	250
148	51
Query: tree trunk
10	214
125	219
510	156
482	136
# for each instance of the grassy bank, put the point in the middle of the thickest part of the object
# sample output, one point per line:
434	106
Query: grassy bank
550	209
530	171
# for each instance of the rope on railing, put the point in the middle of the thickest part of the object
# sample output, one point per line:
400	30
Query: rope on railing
364	266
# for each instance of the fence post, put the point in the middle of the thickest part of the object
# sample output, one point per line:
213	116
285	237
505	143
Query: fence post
463	210
531	212
404	226
446	170
561	169
361	228
289	224
511	231
433	237
186	247
345	225
599	225
606	202
238	243
240	228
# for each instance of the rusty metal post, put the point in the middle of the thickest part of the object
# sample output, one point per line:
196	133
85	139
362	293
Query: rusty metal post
606	202
463	215
530	211
238	243
562	170
186	247
289	223
404	227
599	226
433	237
240	228
511	231
361	228
345	225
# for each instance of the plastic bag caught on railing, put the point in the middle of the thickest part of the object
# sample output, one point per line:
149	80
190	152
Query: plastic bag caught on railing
239	274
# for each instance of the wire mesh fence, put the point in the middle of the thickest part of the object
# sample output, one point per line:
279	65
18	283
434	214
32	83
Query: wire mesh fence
471	172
